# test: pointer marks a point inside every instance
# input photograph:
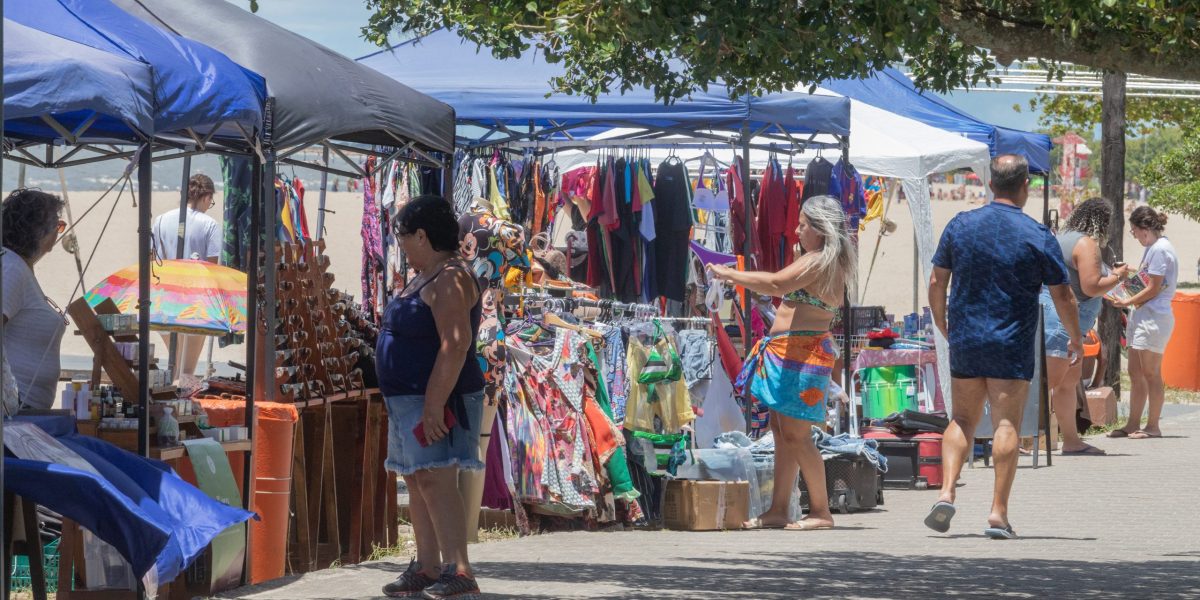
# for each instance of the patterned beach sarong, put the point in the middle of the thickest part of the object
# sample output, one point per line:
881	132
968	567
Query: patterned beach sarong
789	373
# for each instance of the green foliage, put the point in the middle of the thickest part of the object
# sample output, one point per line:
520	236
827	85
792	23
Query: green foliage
1062	113
1174	179
757	46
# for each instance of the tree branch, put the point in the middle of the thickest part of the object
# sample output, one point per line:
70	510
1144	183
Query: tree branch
1100	49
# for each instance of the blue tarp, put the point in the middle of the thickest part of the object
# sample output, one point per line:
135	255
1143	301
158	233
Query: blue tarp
513	93
891	90
139	506
193	85
45	74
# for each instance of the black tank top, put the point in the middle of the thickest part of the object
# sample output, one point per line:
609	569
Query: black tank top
408	347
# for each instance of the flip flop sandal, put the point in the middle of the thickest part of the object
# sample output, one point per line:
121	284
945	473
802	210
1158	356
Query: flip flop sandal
1143	435
939	517
1088	451
1000	533
1118	433
802	525
757	523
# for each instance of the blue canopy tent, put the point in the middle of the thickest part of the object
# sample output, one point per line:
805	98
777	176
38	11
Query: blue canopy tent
503	95
198	92
889	89
51	82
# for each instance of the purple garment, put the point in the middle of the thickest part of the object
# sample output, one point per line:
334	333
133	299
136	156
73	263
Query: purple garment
710	257
495	488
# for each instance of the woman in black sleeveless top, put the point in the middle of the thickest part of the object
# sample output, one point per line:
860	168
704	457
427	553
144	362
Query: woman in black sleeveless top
429	375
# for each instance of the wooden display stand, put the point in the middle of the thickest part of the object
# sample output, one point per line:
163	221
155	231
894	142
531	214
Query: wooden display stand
339	486
122	375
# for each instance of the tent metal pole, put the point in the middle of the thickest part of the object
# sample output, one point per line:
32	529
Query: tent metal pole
270	222
448	177
1046	199
747	246
145	183
848	310
916	273
180	245
324	186
252	316
3	571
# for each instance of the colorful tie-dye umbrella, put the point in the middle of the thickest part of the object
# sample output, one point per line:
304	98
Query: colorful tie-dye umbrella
186	296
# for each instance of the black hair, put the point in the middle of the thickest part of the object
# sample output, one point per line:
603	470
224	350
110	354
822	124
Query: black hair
1143	217
435	216
29	216
1009	173
1092	218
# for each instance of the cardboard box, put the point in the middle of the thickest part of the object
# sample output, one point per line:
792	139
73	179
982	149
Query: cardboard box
706	505
1102	406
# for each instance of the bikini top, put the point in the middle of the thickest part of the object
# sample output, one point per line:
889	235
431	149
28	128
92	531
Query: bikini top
803	297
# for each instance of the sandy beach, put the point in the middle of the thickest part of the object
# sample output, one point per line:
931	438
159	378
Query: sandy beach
890	284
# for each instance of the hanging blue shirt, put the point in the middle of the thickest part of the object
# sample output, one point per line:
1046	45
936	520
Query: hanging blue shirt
999	258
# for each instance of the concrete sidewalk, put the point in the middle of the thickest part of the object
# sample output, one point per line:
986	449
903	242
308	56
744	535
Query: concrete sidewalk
1121	526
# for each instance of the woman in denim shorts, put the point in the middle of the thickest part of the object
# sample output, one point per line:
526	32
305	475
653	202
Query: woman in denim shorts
1081	239
431	380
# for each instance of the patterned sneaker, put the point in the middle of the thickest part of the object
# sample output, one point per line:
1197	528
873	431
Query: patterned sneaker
453	584
410	584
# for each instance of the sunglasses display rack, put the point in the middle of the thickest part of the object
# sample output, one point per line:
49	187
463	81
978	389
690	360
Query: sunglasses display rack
321	345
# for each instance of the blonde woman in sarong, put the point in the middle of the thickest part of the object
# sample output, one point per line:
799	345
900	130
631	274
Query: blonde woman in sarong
789	370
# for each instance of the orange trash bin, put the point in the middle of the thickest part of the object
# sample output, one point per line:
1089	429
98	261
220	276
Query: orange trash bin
1181	361
274	436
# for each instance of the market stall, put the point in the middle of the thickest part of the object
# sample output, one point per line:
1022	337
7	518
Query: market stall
86	118
318	99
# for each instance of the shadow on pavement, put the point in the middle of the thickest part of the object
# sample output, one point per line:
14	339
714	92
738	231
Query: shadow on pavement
842	574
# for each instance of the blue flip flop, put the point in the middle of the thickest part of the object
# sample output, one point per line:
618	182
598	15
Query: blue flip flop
939	517
1000	533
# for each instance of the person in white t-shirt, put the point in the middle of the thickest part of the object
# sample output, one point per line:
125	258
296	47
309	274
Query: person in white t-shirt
1151	323
33	325
201	241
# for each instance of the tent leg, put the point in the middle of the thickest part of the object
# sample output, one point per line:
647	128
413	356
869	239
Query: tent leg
144	206
270	222
252	316
746	249
1046	199
324	186
916	273
180	245
847	310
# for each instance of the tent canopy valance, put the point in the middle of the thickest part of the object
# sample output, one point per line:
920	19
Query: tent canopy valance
54	82
890	90
319	95
196	90
509	97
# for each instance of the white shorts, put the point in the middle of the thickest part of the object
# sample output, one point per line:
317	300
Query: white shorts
1149	330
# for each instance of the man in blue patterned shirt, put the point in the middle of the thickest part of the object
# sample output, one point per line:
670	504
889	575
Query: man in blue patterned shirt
998	258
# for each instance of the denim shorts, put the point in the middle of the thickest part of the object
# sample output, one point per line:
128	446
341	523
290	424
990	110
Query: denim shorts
1056	335
405	453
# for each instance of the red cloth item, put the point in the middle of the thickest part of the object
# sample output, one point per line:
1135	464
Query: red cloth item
793	189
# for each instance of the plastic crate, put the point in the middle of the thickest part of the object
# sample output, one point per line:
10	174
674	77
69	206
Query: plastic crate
20	578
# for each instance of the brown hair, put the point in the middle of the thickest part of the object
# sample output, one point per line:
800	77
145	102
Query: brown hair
1144	217
200	186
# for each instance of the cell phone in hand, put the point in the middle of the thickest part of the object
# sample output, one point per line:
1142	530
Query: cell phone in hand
419	430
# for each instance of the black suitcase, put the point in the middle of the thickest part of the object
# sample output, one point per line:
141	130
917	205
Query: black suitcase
853	483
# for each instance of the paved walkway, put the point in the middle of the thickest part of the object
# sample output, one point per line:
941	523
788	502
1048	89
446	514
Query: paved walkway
1122	526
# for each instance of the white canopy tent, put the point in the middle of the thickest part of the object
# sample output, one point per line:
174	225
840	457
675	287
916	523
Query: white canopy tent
882	144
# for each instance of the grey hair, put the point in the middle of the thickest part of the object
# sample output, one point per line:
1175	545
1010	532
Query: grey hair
1009	173
837	255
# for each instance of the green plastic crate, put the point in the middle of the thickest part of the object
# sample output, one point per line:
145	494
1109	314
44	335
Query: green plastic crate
20	578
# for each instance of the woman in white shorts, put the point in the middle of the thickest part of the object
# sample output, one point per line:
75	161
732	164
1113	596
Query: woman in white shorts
1151	323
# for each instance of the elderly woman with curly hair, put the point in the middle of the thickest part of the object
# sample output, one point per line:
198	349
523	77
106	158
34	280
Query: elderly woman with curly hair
33	326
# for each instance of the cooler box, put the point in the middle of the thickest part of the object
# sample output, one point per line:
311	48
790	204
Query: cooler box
887	390
914	461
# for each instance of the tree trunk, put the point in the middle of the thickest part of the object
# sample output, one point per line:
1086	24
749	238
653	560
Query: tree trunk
1112	187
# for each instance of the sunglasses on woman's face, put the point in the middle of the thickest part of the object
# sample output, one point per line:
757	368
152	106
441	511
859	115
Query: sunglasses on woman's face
62	226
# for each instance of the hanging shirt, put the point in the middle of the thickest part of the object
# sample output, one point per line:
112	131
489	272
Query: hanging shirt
818	176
